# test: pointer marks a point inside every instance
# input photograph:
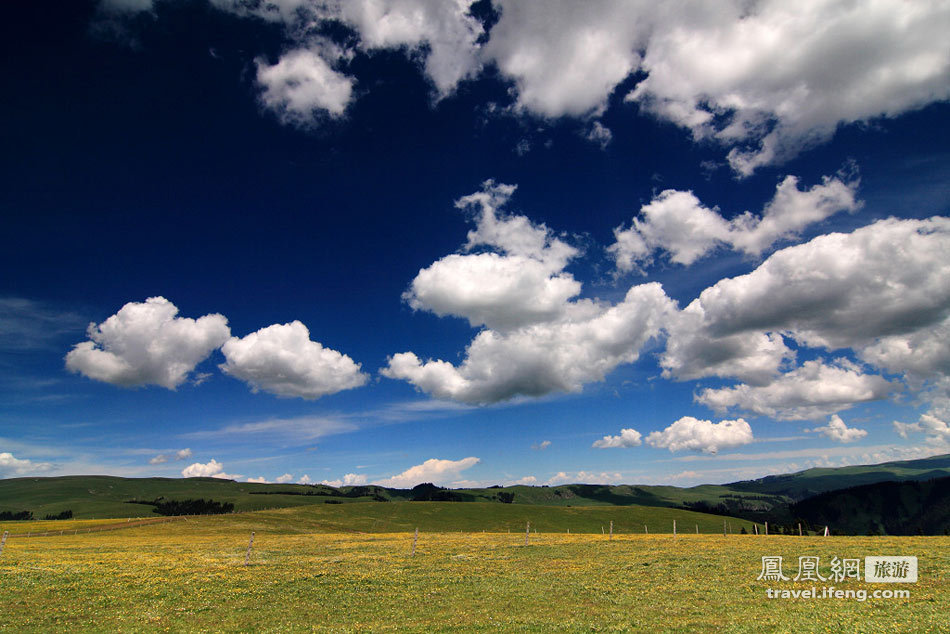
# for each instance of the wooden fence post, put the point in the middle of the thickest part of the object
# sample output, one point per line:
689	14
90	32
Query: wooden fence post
611	530
247	555
527	531
415	538
799	529
674	528
723	528
755	527
3	540
697	529
766	528
826	531
646	531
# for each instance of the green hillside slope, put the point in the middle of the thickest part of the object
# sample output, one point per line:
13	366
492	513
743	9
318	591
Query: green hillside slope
884	508
803	484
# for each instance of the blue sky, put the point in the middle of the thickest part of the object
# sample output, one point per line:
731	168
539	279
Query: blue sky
407	241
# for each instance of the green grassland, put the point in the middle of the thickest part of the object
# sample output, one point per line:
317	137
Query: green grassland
309	571
108	496
371	517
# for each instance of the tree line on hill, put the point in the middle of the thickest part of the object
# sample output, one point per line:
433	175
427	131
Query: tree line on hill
18	516
200	506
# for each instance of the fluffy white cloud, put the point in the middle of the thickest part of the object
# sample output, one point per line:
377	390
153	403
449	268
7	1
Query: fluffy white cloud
145	343
565	58
502	292
305	479
162	458
542	358
766	75
810	391
677	222
444	34
937	430
11	465
302	85
764	79
259	480
837	430
349	479
526	480
783	77
433	470
702	435
212	469
281	359
692	352
537	340
626	438
441	35
585	477
284	479
882	290
522	283
924	354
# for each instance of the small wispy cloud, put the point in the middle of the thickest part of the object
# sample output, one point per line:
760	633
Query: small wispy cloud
303	428
30	325
162	458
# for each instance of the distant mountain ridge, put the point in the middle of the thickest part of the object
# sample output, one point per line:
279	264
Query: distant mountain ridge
772	498
810	482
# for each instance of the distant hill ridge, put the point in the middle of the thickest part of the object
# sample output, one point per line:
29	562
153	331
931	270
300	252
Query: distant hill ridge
771	498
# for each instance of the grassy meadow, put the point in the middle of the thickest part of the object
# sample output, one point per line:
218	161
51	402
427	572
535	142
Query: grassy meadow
321	568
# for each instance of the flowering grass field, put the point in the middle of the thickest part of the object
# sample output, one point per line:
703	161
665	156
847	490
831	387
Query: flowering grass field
190	575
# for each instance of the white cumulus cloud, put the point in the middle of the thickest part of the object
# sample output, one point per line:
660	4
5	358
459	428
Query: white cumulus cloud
443	34
937	430
11	465
162	458
626	438
837	430
537	339
146	344
212	469
539	359
281	359
765	80
585	477
521	283
770	79
813	390
677	223
882	291
302	85
433	470
349	479
702	435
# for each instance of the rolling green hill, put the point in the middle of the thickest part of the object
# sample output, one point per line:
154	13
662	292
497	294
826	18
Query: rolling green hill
763	499
108	496
911	507
803	484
